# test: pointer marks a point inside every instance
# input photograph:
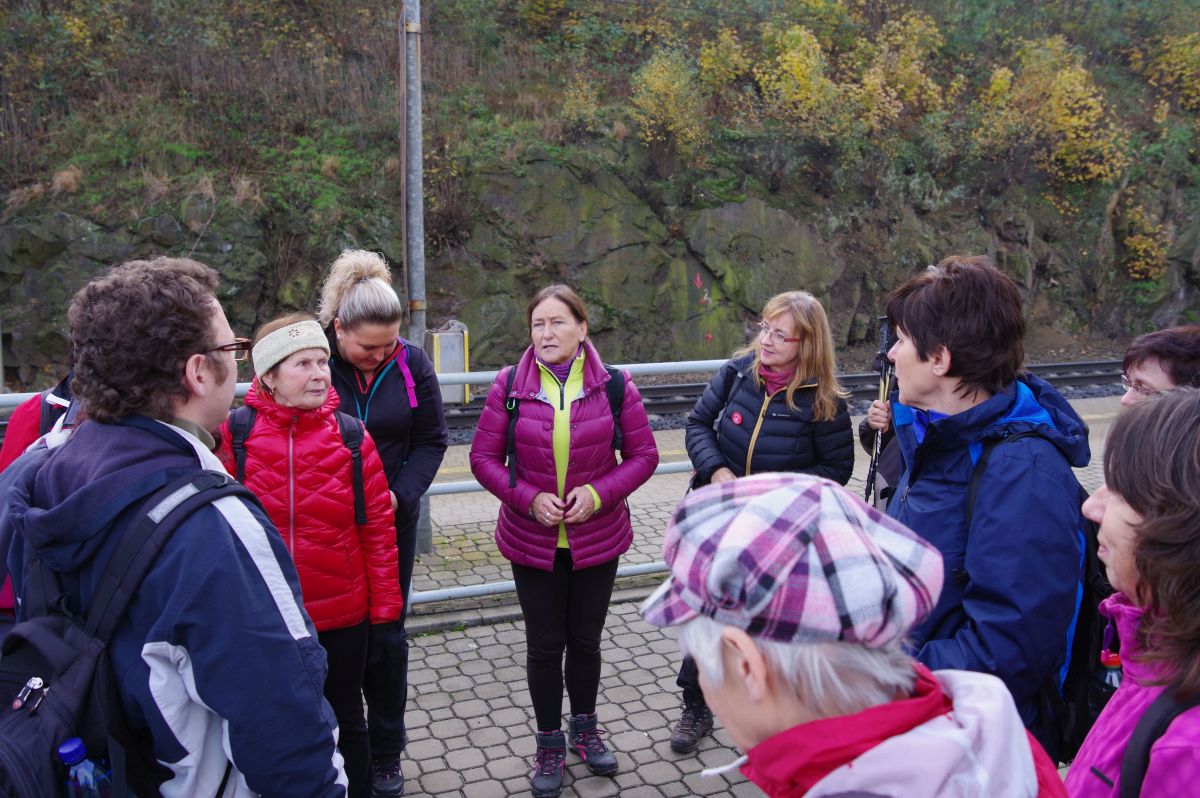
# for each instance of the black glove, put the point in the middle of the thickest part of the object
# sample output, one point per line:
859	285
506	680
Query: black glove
384	637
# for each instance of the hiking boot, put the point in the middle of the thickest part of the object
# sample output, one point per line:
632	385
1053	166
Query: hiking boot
547	776
694	722
387	779
585	741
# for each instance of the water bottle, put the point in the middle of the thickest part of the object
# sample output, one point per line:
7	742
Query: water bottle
1110	661
85	779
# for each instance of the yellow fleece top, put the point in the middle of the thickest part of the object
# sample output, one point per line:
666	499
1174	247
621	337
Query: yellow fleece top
560	396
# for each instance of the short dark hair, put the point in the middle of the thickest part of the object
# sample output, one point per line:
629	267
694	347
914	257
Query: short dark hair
1176	349
564	294
1152	461
134	329
973	309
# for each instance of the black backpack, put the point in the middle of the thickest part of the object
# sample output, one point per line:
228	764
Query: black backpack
1150	726
1068	714
614	388
55	675
241	423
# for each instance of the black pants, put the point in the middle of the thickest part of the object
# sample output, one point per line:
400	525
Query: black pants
689	681
386	683
346	650
564	610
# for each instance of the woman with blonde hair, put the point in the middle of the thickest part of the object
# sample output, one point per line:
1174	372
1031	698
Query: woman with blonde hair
775	406
390	386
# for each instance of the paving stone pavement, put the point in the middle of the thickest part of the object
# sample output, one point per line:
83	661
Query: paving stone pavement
469	717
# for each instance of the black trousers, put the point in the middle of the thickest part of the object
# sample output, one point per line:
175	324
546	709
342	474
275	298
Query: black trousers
689	681
386	682
346	651
564	611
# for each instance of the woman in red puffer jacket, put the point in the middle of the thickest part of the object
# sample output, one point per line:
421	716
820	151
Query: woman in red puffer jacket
299	466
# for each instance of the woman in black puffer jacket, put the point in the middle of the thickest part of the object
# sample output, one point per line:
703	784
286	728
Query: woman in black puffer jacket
775	406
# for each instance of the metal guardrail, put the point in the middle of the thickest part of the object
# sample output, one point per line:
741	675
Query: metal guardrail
1061	374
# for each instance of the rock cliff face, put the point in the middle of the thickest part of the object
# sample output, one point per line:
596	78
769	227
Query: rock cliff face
662	281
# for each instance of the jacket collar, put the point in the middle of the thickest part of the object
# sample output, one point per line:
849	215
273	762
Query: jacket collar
527	382
281	416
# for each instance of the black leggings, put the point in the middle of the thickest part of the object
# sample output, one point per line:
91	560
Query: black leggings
564	609
346	651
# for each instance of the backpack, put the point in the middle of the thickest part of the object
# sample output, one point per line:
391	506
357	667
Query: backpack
1072	697
614	388
1150	726
55	674
241	424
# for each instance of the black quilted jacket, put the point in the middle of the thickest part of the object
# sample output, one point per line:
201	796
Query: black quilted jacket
735	425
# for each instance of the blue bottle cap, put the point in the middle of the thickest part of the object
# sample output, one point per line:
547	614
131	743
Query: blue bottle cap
72	752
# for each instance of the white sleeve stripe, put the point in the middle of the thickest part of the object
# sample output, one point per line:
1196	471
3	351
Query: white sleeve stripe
254	538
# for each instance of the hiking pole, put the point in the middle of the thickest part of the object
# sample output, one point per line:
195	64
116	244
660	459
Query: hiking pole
885	388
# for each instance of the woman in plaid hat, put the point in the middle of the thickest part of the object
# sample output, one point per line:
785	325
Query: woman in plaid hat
794	598
775	406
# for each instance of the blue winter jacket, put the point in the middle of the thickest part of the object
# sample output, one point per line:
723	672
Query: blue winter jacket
1011	579
216	652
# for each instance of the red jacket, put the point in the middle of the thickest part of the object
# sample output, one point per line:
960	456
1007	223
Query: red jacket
299	467
608	533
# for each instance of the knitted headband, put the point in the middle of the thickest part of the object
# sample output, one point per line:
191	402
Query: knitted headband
285	341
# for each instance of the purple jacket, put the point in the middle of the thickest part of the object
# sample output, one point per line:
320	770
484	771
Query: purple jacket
608	533
1174	757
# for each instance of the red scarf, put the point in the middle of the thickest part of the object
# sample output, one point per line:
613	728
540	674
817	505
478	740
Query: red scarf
776	380
791	762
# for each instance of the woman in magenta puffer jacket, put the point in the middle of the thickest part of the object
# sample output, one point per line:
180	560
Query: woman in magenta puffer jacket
563	519
299	466
1150	546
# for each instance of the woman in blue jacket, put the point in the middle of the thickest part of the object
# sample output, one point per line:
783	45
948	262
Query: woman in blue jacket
775	406
1013	555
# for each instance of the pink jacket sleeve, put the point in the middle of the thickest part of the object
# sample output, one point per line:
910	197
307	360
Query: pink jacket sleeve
490	446
639	452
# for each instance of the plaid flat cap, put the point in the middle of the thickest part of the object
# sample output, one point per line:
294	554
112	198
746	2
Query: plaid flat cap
794	558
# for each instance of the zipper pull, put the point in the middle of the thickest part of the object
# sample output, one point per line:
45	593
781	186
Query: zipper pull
34	684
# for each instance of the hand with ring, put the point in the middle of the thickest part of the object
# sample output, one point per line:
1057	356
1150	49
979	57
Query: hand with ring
580	505
547	509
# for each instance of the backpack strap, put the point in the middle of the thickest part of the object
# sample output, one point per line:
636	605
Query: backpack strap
241	422
981	467
512	404
1152	725
141	544
352	436
615	388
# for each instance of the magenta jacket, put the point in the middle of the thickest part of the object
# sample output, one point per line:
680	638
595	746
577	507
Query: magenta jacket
1174	759
608	533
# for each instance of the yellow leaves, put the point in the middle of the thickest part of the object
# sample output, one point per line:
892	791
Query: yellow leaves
540	16
581	103
1176	69
77	30
1146	244
1052	105
722	61
668	104
794	83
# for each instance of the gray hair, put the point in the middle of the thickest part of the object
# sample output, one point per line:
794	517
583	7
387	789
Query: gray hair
831	679
358	290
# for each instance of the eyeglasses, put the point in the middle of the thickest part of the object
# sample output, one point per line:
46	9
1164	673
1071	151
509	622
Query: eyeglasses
240	348
1130	385
774	336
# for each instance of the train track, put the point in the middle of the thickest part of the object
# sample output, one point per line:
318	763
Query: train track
680	398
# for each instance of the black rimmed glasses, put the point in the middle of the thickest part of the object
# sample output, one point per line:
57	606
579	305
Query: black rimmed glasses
1129	384
240	348
774	336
